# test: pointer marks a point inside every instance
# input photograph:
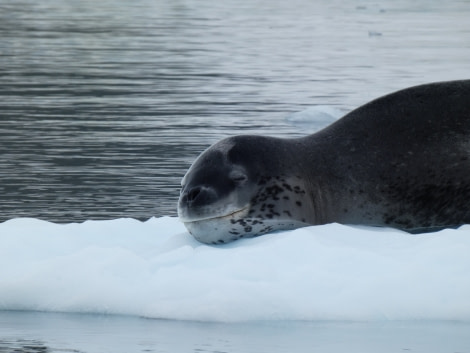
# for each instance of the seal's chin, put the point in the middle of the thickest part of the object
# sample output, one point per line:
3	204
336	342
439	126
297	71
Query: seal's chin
231	215
217	229
236	225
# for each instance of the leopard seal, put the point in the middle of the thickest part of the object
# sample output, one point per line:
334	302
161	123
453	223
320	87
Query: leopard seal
402	161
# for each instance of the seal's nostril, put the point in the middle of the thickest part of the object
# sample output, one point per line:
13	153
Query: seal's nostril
193	193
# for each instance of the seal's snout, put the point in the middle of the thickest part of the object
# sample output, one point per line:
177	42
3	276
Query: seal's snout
197	202
198	196
193	194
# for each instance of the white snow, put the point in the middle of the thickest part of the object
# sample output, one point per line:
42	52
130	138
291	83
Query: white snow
315	117
156	269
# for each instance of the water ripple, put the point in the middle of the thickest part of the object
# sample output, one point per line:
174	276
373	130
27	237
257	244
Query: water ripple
103	105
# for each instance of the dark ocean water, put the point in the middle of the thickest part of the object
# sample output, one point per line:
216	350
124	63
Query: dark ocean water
104	105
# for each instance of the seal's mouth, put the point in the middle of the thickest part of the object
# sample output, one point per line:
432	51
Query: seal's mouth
232	215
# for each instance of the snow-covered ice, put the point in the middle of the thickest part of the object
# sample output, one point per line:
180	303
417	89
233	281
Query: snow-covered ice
156	269
315	117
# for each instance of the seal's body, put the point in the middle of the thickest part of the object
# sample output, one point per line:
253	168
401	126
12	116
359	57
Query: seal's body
402	161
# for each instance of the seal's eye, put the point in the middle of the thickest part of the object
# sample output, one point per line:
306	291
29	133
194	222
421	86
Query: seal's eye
238	177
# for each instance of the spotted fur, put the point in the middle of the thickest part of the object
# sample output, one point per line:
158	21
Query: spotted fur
402	161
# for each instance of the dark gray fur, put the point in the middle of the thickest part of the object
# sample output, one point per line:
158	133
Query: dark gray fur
402	160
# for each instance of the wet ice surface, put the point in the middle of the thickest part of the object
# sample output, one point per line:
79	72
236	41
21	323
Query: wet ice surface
58	333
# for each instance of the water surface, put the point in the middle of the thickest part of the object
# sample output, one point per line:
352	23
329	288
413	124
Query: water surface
60	333
104	105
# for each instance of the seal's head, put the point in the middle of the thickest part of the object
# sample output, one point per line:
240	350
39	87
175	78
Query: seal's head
242	187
